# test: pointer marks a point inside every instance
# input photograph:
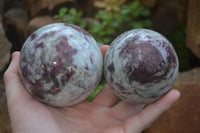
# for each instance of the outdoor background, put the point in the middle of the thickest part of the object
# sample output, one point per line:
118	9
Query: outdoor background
178	20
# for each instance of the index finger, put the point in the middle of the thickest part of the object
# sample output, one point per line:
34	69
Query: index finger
103	50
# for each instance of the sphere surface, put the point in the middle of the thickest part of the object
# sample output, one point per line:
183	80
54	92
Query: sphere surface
141	66
60	64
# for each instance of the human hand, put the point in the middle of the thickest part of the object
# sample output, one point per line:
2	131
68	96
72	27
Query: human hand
105	114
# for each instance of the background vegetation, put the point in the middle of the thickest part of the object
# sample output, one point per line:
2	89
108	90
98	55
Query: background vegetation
110	21
117	16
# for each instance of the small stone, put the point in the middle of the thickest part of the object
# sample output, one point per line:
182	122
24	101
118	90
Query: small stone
18	18
39	22
5	47
38	7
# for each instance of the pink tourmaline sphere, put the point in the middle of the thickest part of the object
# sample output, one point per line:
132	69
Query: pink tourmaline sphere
60	64
141	66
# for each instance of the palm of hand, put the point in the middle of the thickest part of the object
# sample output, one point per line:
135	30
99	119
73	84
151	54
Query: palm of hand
104	115
85	117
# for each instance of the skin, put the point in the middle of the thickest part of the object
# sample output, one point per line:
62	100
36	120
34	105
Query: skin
104	115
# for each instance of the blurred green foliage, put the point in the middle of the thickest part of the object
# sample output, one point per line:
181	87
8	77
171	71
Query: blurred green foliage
107	25
97	90
115	17
71	16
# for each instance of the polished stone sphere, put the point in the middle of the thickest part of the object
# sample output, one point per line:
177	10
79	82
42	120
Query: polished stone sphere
60	64
141	66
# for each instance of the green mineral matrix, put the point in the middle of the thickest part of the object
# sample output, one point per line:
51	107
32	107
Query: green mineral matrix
141	66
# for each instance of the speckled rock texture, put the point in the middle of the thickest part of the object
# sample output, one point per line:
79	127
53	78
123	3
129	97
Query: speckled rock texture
141	66
61	64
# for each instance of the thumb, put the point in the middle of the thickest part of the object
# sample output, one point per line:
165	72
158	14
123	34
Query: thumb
147	116
13	85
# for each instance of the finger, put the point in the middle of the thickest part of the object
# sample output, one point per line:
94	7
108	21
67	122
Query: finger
14	88
124	110
147	116
103	49
106	97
